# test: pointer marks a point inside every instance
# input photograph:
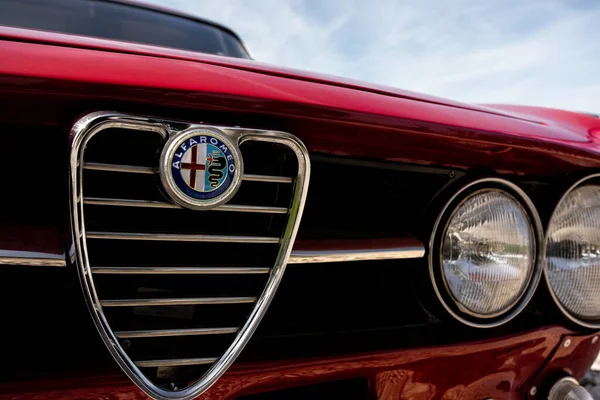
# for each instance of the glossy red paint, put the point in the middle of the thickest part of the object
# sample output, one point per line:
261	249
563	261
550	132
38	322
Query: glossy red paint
101	387
32	36
572	356
499	369
569	119
502	369
329	117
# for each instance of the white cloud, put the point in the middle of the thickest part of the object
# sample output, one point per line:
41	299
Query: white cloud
538	52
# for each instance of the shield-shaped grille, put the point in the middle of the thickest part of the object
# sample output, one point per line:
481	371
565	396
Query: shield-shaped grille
176	293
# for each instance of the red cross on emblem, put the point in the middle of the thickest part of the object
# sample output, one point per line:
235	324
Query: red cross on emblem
193	166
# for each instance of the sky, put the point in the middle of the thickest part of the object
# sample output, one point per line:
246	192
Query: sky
534	52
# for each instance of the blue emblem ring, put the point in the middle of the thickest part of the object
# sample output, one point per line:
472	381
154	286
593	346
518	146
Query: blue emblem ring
201	168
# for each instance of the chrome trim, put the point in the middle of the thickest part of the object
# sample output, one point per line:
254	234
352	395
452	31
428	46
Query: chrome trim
101	201
175	362
268	178
325	256
177	302
98	201
562	309
174	237
31	259
81	133
466	316
33	262
180	270
133	169
175	332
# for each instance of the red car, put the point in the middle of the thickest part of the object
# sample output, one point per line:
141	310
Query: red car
179	221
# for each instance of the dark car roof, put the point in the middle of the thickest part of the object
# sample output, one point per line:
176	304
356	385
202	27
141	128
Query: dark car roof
151	6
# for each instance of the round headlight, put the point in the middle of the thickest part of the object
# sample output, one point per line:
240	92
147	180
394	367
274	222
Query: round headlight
486	246
572	264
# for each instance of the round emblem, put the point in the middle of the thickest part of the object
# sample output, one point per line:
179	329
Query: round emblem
200	168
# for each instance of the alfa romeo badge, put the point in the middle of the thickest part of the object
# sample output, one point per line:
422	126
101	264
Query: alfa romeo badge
200	168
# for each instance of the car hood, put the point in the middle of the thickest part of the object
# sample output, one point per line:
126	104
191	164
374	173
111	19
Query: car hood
242	64
576	127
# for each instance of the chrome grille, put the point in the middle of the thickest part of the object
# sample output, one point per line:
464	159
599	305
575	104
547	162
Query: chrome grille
176	293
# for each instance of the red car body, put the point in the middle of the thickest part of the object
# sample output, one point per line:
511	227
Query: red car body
50	79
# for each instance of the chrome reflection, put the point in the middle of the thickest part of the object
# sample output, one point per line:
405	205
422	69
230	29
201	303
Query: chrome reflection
572	263
488	252
487	281
81	133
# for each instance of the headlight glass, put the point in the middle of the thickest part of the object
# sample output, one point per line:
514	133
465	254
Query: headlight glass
488	253
573	252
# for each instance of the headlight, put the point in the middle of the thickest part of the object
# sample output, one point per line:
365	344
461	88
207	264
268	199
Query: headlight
573	254
483	257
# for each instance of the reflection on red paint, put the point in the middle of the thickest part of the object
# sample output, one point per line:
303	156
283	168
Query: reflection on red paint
501	369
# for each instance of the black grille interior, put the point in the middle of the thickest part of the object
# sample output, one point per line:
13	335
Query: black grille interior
239	271
351	199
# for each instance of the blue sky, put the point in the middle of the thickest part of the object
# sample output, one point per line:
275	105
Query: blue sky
536	52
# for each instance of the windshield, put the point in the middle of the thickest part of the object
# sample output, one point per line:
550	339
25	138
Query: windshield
113	20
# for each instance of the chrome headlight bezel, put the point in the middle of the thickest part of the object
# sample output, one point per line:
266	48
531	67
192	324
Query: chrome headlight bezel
440	226
593	179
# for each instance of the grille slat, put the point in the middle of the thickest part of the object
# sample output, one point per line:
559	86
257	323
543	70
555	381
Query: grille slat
175	332
176	362
267	178
163	204
168	237
171	286
180	270
177	302
134	169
